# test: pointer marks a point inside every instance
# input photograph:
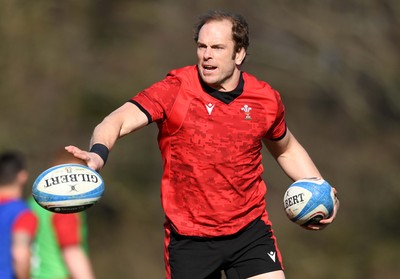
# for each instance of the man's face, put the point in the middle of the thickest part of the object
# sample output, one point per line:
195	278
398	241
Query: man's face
216	59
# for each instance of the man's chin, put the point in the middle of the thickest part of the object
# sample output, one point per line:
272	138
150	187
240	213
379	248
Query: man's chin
208	80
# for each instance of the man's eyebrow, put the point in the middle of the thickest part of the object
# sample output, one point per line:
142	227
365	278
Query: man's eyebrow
218	45
213	45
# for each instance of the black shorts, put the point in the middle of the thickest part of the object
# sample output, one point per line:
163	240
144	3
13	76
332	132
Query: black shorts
250	252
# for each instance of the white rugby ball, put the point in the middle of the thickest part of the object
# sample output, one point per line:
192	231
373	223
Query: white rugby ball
68	188
308	201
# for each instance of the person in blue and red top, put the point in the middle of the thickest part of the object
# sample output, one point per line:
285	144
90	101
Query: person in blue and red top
213	119
17	223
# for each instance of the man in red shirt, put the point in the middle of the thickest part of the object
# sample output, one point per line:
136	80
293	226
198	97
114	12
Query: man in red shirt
17	223
212	120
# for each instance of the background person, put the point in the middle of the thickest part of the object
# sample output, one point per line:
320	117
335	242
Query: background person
60	250
212	120
17	223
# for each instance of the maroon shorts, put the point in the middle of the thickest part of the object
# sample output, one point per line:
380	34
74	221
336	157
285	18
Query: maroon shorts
250	252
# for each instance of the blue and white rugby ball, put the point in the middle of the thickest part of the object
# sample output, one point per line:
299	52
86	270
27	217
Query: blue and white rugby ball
308	201
68	188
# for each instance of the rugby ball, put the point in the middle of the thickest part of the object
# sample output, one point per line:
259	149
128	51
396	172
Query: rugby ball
68	188
308	201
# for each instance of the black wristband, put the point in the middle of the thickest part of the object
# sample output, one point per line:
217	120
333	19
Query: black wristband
101	150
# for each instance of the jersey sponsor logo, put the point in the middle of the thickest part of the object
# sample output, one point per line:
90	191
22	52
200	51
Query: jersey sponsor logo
210	108
246	109
272	255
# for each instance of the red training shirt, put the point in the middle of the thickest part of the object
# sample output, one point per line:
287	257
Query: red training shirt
211	144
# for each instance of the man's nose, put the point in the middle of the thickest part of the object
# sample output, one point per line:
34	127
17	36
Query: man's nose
207	53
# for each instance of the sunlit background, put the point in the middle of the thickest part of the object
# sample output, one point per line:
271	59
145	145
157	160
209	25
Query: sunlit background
66	64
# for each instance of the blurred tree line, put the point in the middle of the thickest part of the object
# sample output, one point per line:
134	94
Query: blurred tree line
66	64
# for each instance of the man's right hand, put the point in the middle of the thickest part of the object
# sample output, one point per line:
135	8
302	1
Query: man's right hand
92	160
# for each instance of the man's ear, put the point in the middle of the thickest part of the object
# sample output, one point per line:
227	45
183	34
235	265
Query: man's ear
240	56
22	177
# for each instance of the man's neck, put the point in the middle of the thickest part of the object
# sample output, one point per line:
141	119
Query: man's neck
10	192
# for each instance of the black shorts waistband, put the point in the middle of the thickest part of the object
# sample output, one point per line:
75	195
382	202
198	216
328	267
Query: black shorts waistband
222	237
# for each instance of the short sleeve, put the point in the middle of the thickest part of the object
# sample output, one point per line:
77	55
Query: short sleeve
157	100
67	228
26	222
278	128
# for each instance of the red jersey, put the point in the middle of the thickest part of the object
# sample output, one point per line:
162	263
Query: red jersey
211	144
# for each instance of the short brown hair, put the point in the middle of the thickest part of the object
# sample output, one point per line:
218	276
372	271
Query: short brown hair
11	164
240	28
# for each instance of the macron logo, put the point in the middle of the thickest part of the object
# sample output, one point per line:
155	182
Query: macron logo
272	255
210	108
